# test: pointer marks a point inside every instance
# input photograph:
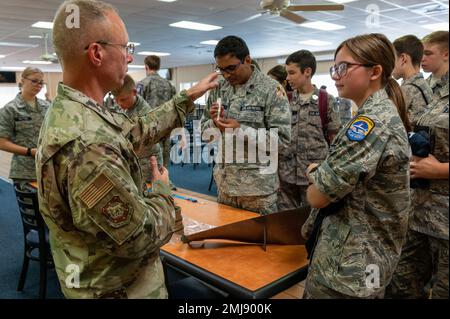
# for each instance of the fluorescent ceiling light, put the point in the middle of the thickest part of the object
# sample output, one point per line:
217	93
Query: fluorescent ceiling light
210	42
342	1
35	36
436	26
12	68
36	62
16	44
43	25
320	25
135	43
135	66
195	26
153	53
167	0
316	43
2	56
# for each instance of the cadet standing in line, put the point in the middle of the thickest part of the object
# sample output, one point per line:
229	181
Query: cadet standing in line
253	101
309	136
102	224
134	106
417	92
20	122
155	90
365	176
435	60
424	261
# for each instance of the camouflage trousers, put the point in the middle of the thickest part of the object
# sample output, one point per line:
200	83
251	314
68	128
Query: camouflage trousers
264	205
423	265
291	196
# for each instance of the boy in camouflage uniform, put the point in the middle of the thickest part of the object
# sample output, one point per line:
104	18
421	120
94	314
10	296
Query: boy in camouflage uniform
134	106
417	92
424	261
156	90
435	60
309	138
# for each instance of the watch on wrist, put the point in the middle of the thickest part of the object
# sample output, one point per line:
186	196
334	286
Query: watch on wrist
28	151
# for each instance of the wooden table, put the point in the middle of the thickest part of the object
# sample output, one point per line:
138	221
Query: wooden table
239	270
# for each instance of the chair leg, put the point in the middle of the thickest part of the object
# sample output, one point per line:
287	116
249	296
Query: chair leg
42	276
23	272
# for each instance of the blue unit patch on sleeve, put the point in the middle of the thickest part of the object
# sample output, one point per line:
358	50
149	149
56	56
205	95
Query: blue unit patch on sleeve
140	88
360	129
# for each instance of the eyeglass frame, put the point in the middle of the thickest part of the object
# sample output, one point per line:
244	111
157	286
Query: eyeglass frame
130	47
234	67
347	64
36	82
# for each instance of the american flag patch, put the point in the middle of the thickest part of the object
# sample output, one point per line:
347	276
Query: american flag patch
96	190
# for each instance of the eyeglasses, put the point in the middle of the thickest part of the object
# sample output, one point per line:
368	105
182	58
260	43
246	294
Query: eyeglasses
229	69
35	82
341	69
129	47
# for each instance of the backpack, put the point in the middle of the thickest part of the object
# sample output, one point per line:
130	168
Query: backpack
323	111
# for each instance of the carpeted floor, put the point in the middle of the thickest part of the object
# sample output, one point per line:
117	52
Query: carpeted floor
11	234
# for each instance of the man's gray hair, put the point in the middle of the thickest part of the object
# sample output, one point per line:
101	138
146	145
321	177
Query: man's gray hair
69	39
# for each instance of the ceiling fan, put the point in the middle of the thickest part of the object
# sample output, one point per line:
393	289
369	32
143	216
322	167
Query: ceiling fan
47	56
285	9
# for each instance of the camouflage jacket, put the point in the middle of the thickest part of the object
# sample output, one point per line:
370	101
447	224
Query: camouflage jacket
308	144
102	224
139	109
20	123
261	103
430	206
439	86
367	168
155	90
418	95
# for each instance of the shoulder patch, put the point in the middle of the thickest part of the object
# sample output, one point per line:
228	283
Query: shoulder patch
96	190
360	129
117	212
140	88
280	91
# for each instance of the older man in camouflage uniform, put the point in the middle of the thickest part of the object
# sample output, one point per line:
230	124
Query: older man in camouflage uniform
105	231
252	101
309	136
417	92
134	106
156	90
20	122
424	261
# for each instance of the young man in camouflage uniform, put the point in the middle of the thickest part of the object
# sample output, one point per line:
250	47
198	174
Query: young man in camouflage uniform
309	139
435	60
253	101
134	106
156	90
105	231
417	92
20	122
424	260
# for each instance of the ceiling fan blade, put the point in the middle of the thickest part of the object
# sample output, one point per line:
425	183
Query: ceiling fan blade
316	7
292	16
253	17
